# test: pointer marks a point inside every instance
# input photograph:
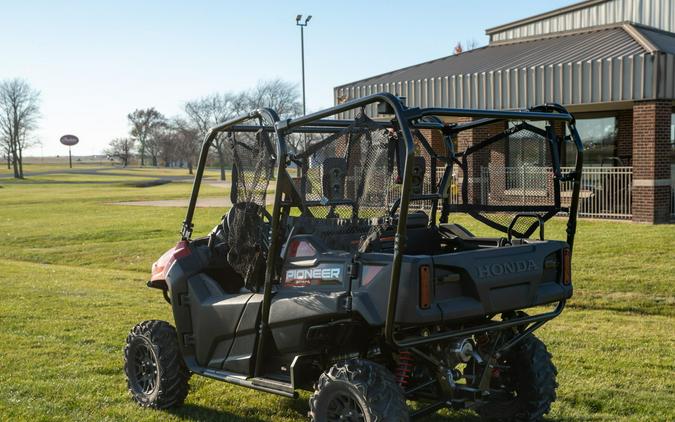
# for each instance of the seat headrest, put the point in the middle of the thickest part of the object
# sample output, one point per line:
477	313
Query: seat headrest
417	219
334	173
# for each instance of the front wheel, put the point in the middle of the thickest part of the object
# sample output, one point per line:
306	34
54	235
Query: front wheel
357	390
156	373
528	375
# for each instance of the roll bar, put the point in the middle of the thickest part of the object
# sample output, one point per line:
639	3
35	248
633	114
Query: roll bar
403	119
532	114
262	113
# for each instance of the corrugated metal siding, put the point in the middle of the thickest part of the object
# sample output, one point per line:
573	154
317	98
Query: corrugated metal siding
624	78
656	13
592	45
602	66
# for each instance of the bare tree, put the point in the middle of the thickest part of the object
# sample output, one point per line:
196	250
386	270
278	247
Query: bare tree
19	112
6	151
168	142
188	141
208	111
165	142
471	44
121	149
143	123
284	98
277	94
158	140
26	140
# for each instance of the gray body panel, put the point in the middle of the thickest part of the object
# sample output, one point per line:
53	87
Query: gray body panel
293	311
215	316
466	284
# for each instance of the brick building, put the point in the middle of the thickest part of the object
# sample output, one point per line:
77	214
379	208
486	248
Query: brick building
610	62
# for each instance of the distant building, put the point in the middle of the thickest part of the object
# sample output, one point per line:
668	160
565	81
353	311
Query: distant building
610	62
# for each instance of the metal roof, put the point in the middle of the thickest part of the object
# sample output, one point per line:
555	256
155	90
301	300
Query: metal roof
604	64
661	40
598	44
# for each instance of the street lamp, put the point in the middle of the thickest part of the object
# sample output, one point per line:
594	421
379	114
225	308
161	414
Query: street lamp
302	26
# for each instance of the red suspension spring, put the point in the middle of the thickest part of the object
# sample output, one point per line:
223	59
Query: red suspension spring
404	368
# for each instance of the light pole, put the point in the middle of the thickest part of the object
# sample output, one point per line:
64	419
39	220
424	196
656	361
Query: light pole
302	26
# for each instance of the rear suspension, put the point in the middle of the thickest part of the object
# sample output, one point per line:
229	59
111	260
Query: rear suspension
404	368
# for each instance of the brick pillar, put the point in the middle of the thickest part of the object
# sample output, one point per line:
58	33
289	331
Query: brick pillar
651	161
478	160
624	136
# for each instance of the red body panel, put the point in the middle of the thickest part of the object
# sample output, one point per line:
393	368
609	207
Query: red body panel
162	265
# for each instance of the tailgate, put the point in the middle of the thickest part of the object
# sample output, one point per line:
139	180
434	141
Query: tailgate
494	280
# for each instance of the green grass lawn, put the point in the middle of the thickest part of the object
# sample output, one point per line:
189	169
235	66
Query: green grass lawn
162	171
74	267
40	167
66	177
109	169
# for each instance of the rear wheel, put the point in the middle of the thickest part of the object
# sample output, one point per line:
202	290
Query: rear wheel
528	376
156	373
357	390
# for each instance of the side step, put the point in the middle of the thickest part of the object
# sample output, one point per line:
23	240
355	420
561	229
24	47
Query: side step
273	384
262	384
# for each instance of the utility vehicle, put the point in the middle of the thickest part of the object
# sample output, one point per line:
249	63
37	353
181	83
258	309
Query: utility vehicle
344	266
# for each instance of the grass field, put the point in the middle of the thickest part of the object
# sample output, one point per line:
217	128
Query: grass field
40	167
103	168
73	268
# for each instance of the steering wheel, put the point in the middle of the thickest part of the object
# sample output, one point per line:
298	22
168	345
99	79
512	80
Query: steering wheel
247	225
247	207
222	230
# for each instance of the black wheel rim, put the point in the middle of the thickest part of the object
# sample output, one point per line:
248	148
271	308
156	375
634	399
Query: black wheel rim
344	407
144	364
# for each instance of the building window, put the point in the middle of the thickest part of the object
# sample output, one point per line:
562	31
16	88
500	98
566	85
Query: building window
599	138
526	159
526	148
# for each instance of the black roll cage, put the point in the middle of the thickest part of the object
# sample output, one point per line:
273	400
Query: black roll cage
404	119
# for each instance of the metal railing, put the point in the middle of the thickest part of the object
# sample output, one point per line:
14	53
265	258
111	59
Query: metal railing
455	187
606	192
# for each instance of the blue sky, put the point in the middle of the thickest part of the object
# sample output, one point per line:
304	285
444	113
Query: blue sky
96	61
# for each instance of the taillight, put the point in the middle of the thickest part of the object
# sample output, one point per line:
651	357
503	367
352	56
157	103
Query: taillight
566	266
369	273
300	248
425	287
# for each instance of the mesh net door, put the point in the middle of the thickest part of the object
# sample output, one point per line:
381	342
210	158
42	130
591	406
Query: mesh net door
253	164
507	169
